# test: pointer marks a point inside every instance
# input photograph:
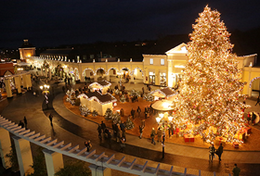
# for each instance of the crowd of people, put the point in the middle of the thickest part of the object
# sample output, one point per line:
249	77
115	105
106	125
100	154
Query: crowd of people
118	134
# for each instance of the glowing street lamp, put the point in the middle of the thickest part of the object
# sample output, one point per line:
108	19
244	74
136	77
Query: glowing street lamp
45	91
161	115
45	88
158	119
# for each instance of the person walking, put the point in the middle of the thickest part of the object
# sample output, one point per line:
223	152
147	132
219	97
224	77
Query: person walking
219	151
212	152
133	113
103	126
25	122
152	136
88	145
51	117
143	122
138	111
145	112
163	150
141	128
258	100
236	170
122	113
159	135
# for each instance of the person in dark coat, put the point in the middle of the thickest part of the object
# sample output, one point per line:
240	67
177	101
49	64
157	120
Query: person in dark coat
103	126
88	145
138	111
122	112
212	151
236	170
219	151
159	135
133	113
141	128
51	117
122	126
153	136
25	122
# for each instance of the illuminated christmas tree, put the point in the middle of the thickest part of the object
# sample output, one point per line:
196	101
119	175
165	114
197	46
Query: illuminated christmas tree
208	103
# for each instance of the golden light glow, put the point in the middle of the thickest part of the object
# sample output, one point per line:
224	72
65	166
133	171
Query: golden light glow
208	103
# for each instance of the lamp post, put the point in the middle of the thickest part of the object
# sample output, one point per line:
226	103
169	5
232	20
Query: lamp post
120	75
45	91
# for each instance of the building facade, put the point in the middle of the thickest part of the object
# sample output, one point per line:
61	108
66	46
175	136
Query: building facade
156	69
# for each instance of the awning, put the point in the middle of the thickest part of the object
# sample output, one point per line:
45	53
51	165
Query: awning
162	105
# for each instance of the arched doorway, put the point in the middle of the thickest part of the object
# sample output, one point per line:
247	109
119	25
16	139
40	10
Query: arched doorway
87	74
254	87
125	72
137	73
100	74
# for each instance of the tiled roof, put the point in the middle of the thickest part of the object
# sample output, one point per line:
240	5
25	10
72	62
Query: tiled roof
106	98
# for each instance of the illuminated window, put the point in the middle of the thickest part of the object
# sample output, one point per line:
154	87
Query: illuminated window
151	61
162	61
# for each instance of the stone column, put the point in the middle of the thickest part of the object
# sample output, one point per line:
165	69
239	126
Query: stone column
17	81
82	79
132	79
5	147
107	77
99	171
53	160
157	77
8	88
28	81
24	82
95	78
24	154
169	74
146	75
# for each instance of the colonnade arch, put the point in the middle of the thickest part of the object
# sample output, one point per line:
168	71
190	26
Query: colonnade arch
255	86
87	72
114	71
100	72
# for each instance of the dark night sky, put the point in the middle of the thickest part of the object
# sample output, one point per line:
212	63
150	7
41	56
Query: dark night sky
55	22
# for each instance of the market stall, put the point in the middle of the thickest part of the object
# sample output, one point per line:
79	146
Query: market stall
102	86
97	101
163	93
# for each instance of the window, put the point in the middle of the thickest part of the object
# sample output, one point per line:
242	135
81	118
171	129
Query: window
151	73
151	61
162	61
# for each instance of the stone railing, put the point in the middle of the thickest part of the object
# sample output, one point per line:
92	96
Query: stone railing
54	149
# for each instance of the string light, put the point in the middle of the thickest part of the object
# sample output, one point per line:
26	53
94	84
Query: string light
208	101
